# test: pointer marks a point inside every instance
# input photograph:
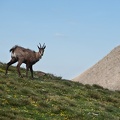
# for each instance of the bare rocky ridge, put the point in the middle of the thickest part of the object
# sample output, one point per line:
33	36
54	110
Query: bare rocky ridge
105	73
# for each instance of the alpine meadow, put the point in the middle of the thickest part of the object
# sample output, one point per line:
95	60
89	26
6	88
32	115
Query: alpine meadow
48	97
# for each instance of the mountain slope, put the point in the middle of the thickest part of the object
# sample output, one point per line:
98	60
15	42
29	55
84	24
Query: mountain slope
105	73
48	97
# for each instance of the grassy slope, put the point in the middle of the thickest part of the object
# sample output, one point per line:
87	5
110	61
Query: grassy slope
51	98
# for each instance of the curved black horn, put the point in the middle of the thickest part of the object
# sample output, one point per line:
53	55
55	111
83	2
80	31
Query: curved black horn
44	46
40	45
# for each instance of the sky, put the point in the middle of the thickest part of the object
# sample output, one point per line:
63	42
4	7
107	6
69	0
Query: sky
77	33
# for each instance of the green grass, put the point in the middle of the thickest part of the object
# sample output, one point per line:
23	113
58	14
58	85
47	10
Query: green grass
51	98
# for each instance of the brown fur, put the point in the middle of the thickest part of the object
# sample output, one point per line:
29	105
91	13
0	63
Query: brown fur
27	56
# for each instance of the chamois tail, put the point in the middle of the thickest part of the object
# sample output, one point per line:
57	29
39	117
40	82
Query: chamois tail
13	48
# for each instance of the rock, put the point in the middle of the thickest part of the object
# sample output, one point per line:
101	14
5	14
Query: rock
105	73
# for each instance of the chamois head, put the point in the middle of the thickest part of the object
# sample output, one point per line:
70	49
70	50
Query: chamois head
41	49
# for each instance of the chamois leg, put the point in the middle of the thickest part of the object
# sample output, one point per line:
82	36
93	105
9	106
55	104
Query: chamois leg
18	67
12	61
27	69
31	70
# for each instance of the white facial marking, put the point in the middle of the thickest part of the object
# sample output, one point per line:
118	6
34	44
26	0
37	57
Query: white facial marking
13	55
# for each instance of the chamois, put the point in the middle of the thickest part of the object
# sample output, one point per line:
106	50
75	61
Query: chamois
27	56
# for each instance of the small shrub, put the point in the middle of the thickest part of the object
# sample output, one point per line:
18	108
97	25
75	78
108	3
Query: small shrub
94	95
88	86
111	99
43	104
2	88
110	109
97	86
118	91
